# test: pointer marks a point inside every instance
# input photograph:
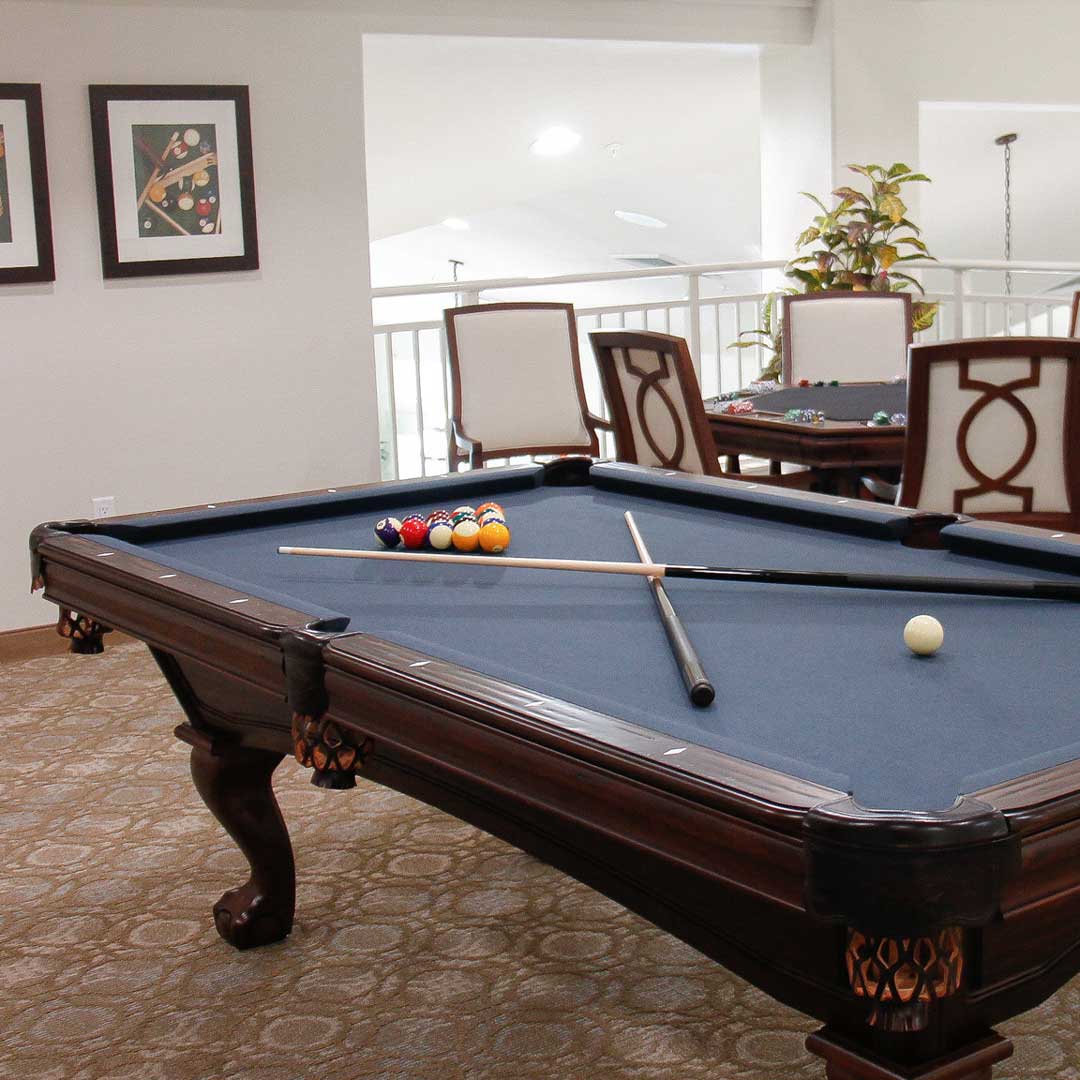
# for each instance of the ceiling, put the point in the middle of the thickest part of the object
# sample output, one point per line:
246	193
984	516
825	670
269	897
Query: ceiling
668	130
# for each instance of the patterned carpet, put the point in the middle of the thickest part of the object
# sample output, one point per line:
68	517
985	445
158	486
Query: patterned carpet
423	948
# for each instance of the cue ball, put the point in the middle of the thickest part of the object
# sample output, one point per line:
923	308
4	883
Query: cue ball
923	635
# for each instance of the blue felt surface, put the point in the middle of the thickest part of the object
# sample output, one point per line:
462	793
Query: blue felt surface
816	682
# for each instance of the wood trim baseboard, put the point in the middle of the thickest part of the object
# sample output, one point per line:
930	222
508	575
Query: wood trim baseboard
35	642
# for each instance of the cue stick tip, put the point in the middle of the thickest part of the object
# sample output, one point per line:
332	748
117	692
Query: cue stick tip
702	694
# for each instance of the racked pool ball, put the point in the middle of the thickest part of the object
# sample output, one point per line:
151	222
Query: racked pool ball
440	535
494	537
414	532
463	510
437	515
388	530
483	508
466	535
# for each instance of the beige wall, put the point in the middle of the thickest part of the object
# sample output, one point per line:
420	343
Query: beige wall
170	391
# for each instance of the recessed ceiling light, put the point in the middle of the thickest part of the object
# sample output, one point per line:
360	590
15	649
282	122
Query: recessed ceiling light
459	224
555	141
634	218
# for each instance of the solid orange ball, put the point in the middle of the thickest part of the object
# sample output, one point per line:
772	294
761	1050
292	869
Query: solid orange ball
494	537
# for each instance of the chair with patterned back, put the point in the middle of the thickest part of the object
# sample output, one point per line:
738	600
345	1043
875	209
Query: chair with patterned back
849	336
516	384
994	430
655	401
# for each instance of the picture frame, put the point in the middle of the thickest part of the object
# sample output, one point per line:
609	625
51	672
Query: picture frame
26	244
175	179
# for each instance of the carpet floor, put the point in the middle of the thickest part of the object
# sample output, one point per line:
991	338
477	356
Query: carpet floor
423	948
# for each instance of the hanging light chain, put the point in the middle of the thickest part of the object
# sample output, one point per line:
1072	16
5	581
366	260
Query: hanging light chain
1006	141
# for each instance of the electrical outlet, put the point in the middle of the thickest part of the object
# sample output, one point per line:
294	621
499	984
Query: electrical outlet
104	506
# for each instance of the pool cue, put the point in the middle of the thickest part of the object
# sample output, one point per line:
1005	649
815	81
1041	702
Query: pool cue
1035	589
693	674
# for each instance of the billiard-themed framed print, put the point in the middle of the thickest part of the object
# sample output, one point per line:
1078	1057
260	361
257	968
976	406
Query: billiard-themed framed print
175	181
26	247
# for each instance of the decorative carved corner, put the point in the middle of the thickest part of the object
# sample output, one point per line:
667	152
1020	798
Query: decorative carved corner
903	977
85	634
320	744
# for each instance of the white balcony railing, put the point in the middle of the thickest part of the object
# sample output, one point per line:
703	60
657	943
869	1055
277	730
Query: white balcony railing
709	305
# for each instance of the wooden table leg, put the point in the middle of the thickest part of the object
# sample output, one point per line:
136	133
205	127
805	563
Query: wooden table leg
234	782
844	1060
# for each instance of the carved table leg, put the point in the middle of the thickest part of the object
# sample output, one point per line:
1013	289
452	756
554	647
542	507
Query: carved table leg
235	783
846	1061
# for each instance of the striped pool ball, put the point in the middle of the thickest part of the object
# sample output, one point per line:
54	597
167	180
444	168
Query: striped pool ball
414	532
491	515
440	536
388	530
494	537
484	507
438	515
462	510
466	535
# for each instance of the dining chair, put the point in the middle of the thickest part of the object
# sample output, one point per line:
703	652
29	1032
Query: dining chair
847	336
1073	314
655	401
516	385
994	430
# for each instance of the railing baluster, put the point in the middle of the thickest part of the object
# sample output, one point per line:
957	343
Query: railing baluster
958	303
719	346
739	352
391	401
693	319
419	401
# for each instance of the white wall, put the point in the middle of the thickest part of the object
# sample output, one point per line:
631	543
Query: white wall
890	55
796	135
170	391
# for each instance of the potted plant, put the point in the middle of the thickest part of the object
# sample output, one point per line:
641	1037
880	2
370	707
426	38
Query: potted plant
856	245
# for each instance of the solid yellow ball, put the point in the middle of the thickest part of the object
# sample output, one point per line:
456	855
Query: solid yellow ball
494	537
923	635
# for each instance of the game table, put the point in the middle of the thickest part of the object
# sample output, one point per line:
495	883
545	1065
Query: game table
888	843
839	451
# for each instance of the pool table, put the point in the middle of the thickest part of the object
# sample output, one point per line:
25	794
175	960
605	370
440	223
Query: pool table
888	843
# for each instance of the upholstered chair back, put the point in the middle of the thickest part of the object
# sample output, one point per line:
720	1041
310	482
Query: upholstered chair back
849	336
994	430
655	400
516	380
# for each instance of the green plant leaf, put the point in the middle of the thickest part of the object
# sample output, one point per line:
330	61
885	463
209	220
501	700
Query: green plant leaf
886	255
917	176
908	278
814	198
897	170
923	314
804	276
911	240
849	194
891	205
807	236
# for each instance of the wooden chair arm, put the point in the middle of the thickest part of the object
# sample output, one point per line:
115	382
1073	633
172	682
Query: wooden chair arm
468	449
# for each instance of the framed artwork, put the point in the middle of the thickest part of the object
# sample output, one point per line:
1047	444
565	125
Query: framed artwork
175	183
26	248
